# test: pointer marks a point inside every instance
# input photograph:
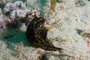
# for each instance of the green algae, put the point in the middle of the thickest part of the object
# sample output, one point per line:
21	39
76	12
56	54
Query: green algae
1	6
79	31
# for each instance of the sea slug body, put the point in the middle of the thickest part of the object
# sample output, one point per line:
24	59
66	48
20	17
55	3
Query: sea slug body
36	33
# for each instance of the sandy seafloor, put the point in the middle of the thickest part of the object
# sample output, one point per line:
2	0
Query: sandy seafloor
71	32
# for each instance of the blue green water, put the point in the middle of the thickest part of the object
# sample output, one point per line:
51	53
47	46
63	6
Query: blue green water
18	36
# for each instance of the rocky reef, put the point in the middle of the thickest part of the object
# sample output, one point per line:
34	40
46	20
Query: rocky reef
70	29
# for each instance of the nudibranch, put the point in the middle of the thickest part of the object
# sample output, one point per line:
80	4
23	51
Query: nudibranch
36	33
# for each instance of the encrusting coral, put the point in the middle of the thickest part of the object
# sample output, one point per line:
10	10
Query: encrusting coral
64	33
13	6
19	50
2	21
53	5
16	13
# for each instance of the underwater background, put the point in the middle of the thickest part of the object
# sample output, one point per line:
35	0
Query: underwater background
69	23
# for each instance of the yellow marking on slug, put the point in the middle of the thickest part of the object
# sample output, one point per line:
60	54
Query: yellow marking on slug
36	23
